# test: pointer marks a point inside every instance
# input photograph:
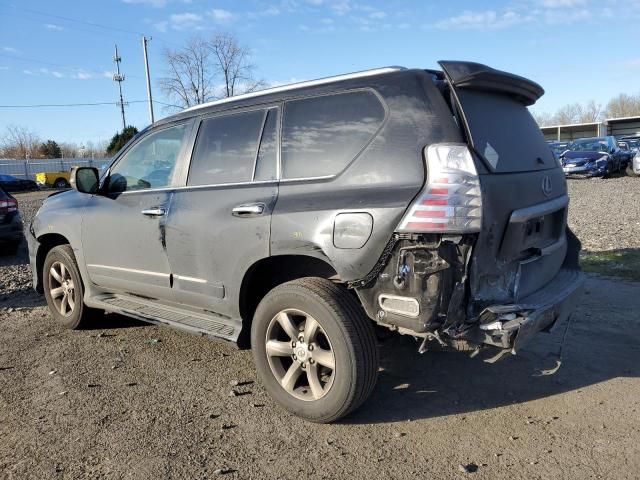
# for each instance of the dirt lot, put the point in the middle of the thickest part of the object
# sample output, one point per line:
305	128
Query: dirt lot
129	400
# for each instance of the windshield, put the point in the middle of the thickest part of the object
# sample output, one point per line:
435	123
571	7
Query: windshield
590	145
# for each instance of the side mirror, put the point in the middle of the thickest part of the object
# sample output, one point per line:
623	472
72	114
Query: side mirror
84	179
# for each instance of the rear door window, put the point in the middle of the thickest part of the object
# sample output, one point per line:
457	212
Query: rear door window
504	132
226	149
322	135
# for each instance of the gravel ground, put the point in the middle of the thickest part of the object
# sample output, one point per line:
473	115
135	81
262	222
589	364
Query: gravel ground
130	400
605	213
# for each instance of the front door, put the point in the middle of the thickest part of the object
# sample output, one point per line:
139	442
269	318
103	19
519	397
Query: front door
219	224
123	227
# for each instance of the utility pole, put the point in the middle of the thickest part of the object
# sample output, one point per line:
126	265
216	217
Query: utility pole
118	77
146	68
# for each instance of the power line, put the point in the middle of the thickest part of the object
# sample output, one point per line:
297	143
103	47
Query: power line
75	20
91	104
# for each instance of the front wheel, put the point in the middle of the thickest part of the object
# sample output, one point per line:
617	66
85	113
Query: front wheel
63	289
314	350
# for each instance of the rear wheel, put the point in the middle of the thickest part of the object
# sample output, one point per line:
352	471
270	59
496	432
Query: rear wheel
63	289
314	350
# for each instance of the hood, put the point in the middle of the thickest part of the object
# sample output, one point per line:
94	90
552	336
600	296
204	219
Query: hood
570	155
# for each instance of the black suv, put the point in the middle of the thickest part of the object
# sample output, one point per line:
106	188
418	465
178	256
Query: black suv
294	219
10	224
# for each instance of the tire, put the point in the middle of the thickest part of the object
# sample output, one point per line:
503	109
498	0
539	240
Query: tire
67	284
342	330
629	170
61	183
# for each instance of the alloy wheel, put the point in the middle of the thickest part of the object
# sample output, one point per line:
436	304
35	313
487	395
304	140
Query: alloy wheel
300	355
62	289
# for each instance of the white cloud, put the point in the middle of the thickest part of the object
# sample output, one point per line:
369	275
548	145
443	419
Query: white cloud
484	20
162	26
82	76
153	3
180	21
2	67
563	3
220	15
377	15
10	49
52	26
57	74
632	64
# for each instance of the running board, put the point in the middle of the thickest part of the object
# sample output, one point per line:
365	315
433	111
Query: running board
153	312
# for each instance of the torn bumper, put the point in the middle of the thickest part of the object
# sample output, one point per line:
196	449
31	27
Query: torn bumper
513	326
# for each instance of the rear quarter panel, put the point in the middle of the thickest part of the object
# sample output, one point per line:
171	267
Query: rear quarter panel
382	180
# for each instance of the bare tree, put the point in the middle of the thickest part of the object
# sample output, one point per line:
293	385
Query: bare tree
206	70
543	119
623	105
19	142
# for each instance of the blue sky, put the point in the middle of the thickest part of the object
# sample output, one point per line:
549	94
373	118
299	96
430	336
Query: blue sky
577	49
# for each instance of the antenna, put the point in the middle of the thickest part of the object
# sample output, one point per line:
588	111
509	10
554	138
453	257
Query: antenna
119	77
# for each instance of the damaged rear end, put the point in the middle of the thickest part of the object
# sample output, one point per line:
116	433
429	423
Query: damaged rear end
483	255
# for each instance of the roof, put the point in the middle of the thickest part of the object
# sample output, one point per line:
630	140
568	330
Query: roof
622	119
297	85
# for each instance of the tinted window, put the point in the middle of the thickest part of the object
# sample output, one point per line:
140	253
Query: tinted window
322	135
226	149
150	162
504	132
266	163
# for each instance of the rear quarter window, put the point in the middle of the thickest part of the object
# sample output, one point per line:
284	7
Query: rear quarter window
322	135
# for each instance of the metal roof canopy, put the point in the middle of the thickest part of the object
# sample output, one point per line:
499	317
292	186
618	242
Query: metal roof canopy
623	127
572	131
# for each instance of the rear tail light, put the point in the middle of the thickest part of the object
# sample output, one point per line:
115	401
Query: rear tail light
450	201
8	205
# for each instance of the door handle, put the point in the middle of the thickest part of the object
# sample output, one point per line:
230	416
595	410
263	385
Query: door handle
249	210
154	212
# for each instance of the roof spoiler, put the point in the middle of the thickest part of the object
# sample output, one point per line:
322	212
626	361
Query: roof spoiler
480	77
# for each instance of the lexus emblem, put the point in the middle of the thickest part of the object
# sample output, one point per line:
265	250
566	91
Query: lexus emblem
547	188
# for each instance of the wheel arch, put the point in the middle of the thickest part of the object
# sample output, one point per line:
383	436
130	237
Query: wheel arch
46	242
268	273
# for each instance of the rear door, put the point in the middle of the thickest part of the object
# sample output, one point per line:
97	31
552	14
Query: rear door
219	224
522	244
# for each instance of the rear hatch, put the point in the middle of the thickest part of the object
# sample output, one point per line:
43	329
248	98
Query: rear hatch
522	243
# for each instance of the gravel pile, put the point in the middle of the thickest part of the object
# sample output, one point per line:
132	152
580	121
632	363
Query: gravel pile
604	213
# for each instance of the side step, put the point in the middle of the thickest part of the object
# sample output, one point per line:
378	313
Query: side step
151	311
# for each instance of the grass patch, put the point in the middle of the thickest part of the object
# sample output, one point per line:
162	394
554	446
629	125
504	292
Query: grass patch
624	263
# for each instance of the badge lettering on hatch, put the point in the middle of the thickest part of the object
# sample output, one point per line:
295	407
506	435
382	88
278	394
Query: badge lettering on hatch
547	188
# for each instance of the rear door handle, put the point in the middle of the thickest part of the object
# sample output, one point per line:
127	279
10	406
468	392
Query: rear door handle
249	210
154	212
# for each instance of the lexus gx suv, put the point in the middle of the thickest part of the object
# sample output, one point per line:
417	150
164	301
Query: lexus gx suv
298	219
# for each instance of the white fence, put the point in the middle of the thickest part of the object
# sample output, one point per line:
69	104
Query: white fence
28	168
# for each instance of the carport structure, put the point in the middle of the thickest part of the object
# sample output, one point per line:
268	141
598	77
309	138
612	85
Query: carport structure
573	131
618	127
623	127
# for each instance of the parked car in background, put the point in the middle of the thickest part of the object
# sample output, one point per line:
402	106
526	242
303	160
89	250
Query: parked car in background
626	154
558	147
10	224
53	179
14	184
595	156
294	219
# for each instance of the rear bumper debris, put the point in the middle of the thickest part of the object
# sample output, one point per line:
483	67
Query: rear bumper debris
513	326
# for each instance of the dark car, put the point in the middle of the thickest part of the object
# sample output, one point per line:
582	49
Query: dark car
593	157
10	224
14	184
558	147
294	219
